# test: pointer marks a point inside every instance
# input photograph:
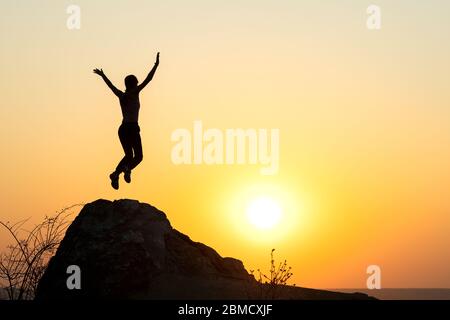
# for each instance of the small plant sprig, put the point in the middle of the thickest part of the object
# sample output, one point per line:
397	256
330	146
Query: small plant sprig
278	276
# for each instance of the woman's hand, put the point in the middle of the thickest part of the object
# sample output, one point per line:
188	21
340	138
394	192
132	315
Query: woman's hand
99	72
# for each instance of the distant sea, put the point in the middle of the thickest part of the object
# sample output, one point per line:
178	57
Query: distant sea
403	294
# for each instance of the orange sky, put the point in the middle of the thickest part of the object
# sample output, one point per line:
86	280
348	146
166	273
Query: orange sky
363	116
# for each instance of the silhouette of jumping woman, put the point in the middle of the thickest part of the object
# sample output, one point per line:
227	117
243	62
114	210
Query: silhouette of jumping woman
129	129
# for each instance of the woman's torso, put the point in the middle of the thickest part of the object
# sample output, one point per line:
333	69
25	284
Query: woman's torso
129	103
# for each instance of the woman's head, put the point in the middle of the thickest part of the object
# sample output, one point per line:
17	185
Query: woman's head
131	82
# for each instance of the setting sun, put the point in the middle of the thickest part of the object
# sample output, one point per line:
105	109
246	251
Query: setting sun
269	214
264	213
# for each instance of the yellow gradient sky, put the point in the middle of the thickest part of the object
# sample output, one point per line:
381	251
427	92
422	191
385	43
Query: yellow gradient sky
364	119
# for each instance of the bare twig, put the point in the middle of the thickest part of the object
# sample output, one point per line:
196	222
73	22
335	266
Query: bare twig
24	262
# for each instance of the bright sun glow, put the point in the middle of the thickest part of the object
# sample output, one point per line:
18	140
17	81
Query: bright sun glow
264	213
267	214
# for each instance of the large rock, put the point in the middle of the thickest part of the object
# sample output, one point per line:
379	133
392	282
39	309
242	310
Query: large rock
126	249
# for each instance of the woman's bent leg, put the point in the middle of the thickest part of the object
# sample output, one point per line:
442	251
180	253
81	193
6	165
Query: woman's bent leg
136	144
125	136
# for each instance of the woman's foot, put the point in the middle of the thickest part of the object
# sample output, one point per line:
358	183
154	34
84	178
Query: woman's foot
114	180
127	176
